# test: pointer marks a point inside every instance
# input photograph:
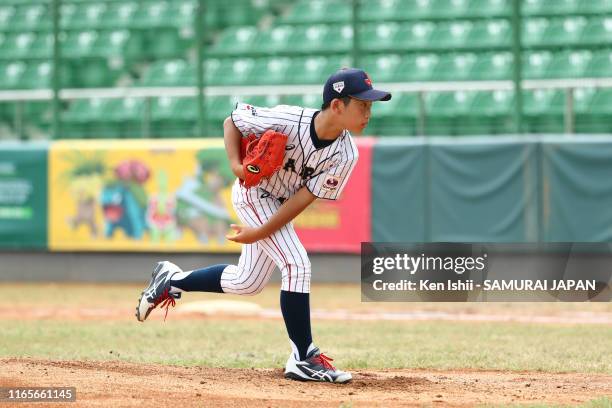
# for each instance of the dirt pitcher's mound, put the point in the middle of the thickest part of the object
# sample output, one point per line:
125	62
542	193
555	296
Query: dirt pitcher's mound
120	384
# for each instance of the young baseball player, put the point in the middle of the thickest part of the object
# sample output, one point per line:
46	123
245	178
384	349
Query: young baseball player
319	157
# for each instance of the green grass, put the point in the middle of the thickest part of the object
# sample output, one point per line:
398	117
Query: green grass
323	296
251	343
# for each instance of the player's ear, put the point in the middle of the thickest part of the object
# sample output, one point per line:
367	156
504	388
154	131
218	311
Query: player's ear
337	106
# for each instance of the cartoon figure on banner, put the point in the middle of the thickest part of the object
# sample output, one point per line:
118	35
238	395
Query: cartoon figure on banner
84	182
161	211
124	200
201	202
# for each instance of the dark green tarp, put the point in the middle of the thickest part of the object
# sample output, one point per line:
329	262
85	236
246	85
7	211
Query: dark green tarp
23	195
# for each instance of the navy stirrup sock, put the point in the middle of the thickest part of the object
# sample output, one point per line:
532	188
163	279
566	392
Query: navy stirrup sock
200	280
296	312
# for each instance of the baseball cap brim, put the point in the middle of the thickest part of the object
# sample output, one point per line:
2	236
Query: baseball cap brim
372	95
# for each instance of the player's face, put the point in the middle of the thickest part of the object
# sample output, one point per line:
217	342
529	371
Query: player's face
357	115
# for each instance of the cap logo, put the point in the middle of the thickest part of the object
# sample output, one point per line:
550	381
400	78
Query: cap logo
338	86
368	81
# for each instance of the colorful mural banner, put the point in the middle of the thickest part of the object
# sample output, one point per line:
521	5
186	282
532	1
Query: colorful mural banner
341	226
140	195
23	195
175	195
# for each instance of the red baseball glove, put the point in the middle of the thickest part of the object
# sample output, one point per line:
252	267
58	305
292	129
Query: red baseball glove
262	157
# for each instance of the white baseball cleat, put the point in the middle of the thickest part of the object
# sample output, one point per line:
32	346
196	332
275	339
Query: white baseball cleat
158	291
316	367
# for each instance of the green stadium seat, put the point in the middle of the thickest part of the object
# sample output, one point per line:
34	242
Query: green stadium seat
11	73
451	36
31	17
218	108
536	63
238	12
306	100
313	70
213	71
88	118
445	111
127	115
42	47
268	101
564	32
17	46
491	113
235	71
544	110
438	119
277	39
456	9
599	112
79	44
396	117
119	15
167	43
490	34
310	39
378	36
533	30
340	38
92	73
597	32
322	38
383	68
319	11
418	67
419	9
7	13
600	65
336	62
37	112
235	41
152	15
270	71
595	7
82	16
173	117
119	45
383	10
549	7
569	64
584	119
490	8
455	67
415	36
182	14
37	75
493	67
170	73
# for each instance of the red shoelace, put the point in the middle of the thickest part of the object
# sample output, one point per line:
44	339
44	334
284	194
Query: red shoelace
166	301
325	361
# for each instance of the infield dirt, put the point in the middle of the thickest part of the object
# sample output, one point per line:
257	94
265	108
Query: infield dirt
120	384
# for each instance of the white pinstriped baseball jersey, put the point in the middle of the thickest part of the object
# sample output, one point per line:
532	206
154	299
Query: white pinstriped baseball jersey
322	166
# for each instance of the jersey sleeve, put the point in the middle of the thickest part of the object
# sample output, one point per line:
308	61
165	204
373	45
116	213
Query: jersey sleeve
246	118
329	184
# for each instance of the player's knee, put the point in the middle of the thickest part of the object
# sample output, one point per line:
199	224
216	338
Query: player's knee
243	288
254	291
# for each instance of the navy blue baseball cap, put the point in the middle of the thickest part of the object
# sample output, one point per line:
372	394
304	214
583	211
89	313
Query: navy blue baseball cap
352	82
